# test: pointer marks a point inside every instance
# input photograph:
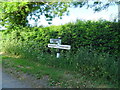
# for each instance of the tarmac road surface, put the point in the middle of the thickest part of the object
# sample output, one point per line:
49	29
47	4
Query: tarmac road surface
9	81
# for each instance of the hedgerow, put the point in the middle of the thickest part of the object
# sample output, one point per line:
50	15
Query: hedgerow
101	35
94	46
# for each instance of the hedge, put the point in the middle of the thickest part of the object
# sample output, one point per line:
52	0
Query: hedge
102	36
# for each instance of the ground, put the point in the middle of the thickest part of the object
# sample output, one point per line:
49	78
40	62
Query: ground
36	75
10	79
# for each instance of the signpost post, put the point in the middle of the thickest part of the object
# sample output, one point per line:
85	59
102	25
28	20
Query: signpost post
58	45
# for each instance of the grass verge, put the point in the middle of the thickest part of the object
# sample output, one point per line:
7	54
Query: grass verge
57	77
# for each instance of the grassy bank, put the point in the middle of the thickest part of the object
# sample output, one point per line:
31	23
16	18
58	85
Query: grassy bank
94	53
101	66
57	76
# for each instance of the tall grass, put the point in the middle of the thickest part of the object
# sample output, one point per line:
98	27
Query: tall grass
85	61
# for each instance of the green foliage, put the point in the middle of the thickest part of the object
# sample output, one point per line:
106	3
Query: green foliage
102	36
95	65
94	47
15	13
57	77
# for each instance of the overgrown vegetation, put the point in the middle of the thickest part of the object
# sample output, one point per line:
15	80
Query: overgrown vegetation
94	47
57	77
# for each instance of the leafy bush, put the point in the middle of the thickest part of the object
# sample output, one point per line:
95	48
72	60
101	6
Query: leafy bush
103	36
94	46
91	63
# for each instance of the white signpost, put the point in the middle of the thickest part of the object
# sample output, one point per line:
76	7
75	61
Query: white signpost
58	45
55	41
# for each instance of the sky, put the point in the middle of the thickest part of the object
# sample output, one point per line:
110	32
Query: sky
79	13
82	14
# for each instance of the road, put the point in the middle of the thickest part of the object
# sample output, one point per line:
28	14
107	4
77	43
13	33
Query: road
9	81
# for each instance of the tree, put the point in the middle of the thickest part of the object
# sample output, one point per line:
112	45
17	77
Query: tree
99	5
15	13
